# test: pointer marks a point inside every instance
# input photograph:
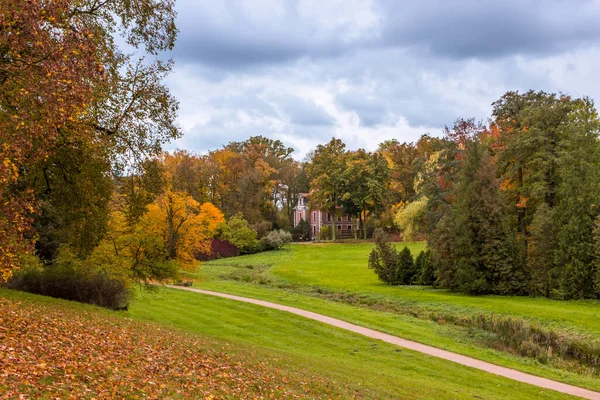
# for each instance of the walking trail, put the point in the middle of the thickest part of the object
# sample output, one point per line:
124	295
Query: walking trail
421	348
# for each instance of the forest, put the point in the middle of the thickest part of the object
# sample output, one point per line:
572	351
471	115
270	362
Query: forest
509	206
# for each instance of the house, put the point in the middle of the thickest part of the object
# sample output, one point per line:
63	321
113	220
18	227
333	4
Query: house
319	218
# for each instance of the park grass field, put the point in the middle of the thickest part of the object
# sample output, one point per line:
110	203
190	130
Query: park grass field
343	268
184	345
333	279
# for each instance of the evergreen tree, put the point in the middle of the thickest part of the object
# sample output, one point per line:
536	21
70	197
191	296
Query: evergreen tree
384	258
424	267
405	270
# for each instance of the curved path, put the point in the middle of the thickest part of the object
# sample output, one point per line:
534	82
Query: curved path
421	348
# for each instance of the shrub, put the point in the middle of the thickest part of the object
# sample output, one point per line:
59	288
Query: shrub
275	240
301	232
237	232
262	228
68	281
325	233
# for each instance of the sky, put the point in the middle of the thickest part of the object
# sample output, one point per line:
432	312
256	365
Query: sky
365	71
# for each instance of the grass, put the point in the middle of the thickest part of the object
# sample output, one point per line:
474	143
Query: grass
369	368
343	268
59	349
185	345
309	277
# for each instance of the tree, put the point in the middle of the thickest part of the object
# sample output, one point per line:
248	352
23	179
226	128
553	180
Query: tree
383	259
185	226
325	172
64	82
471	238
405	270
301	232
409	217
365	178
425	269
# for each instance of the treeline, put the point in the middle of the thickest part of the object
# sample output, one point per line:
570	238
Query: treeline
512	207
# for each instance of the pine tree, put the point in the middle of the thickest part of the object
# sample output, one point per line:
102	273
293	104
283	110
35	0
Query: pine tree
405	270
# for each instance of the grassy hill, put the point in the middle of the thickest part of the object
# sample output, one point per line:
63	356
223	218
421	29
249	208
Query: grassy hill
333	279
183	345
58	349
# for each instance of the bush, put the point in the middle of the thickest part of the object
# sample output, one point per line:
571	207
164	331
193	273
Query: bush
301	232
237	232
325	233
275	240
67	281
262	228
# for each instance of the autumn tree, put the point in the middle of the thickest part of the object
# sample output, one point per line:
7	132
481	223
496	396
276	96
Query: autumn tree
325	172
365	180
66	84
185	225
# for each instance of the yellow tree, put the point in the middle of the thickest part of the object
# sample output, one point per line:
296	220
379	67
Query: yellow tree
185	225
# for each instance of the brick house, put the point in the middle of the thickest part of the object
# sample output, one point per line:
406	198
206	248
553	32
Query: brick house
319	218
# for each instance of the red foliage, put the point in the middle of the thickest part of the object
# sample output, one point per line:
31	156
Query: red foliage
219	249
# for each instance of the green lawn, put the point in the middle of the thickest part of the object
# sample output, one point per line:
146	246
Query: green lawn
343	267
309	276
354	364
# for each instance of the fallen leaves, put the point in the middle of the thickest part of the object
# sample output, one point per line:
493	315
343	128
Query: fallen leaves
51	351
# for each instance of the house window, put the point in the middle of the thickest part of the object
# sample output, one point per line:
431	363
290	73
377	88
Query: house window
339	227
339	219
328	217
314	217
314	230
349	227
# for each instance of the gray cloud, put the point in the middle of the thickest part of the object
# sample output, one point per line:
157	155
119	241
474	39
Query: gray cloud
472	28
304	70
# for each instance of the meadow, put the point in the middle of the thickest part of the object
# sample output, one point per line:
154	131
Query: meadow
343	268
535	335
184	345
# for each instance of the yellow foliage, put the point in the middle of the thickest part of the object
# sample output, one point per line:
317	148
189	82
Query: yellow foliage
185	225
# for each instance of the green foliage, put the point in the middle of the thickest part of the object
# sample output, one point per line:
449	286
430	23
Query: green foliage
325	233
425	269
325	172
74	188
406	273
237	232
473	241
275	240
410	217
301	232
364	187
384	258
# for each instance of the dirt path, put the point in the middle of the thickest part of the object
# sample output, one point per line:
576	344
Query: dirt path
421	348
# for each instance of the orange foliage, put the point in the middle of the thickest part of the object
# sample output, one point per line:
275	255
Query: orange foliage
48	351
184	224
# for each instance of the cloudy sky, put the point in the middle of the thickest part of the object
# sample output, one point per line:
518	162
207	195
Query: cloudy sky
303	71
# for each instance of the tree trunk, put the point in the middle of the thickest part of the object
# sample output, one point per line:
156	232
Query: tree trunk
333	222
364	212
